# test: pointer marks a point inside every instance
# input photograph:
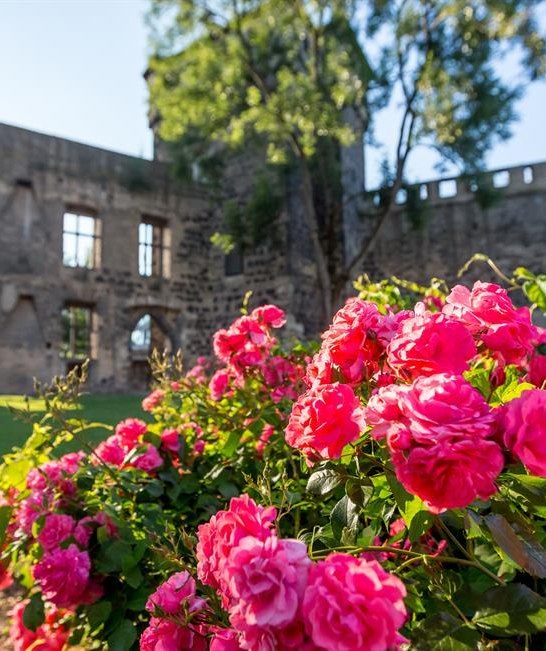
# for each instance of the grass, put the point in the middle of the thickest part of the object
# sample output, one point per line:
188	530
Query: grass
109	409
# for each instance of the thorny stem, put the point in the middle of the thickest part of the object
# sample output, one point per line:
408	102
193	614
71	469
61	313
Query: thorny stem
414	555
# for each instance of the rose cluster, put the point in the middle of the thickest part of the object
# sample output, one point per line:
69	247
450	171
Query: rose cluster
246	348
275	596
446	443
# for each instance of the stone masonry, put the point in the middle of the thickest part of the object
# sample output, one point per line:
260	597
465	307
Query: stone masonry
43	177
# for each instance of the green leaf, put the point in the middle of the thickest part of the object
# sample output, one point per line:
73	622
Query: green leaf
535	290
98	613
133	577
410	507
512	609
359	490
443	632
521	273
344	515
123	637
509	391
231	444
479	379
523	549
322	482
34	613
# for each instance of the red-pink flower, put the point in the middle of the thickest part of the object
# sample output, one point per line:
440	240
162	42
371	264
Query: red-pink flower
131	431
430	343
524	421
85	527
246	343
149	460
6	579
153	400
266	580
439	432
218	384
324	420
170	441
172	594
111	451
52	635
537	361
224	531
56	474
269	315
282	377
353	603
166	635
452	473
57	528
488	312
356	340
225	639
63	575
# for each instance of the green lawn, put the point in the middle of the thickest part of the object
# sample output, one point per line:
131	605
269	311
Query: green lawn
108	409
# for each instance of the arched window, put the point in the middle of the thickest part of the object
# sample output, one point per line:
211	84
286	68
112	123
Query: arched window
141	337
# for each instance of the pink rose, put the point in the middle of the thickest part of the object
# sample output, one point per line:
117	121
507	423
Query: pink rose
352	603
246	343
225	639
31	508
172	594
131	431
430	343
324	420
170	441
439	432
224	531
537	361
85	527
56	474
452	473
57	528
153	400
63	575
218	384
524	421
357	339
149	460
266	579
111	451
165	635
488	312
269	315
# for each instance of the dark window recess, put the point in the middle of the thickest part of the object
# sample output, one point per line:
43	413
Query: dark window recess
154	255
77	324
235	262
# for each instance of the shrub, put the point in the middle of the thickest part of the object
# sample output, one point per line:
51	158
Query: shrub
385	489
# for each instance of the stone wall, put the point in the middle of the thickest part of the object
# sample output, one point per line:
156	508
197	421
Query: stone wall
42	176
512	231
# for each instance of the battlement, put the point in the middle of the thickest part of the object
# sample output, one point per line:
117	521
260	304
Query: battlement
519	179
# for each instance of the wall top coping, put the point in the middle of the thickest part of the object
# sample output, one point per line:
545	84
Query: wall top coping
45	152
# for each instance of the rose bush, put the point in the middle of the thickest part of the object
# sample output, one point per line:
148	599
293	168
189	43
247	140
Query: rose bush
384	490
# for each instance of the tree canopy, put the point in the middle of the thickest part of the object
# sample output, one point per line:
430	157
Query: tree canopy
306	77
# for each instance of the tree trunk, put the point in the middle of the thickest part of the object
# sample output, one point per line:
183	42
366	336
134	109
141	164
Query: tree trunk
325	284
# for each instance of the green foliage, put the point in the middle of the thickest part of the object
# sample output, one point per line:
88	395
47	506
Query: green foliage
475	576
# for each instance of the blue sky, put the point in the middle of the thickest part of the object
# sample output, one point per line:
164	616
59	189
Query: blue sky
73	68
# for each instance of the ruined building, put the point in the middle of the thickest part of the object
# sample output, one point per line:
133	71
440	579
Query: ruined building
105	256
